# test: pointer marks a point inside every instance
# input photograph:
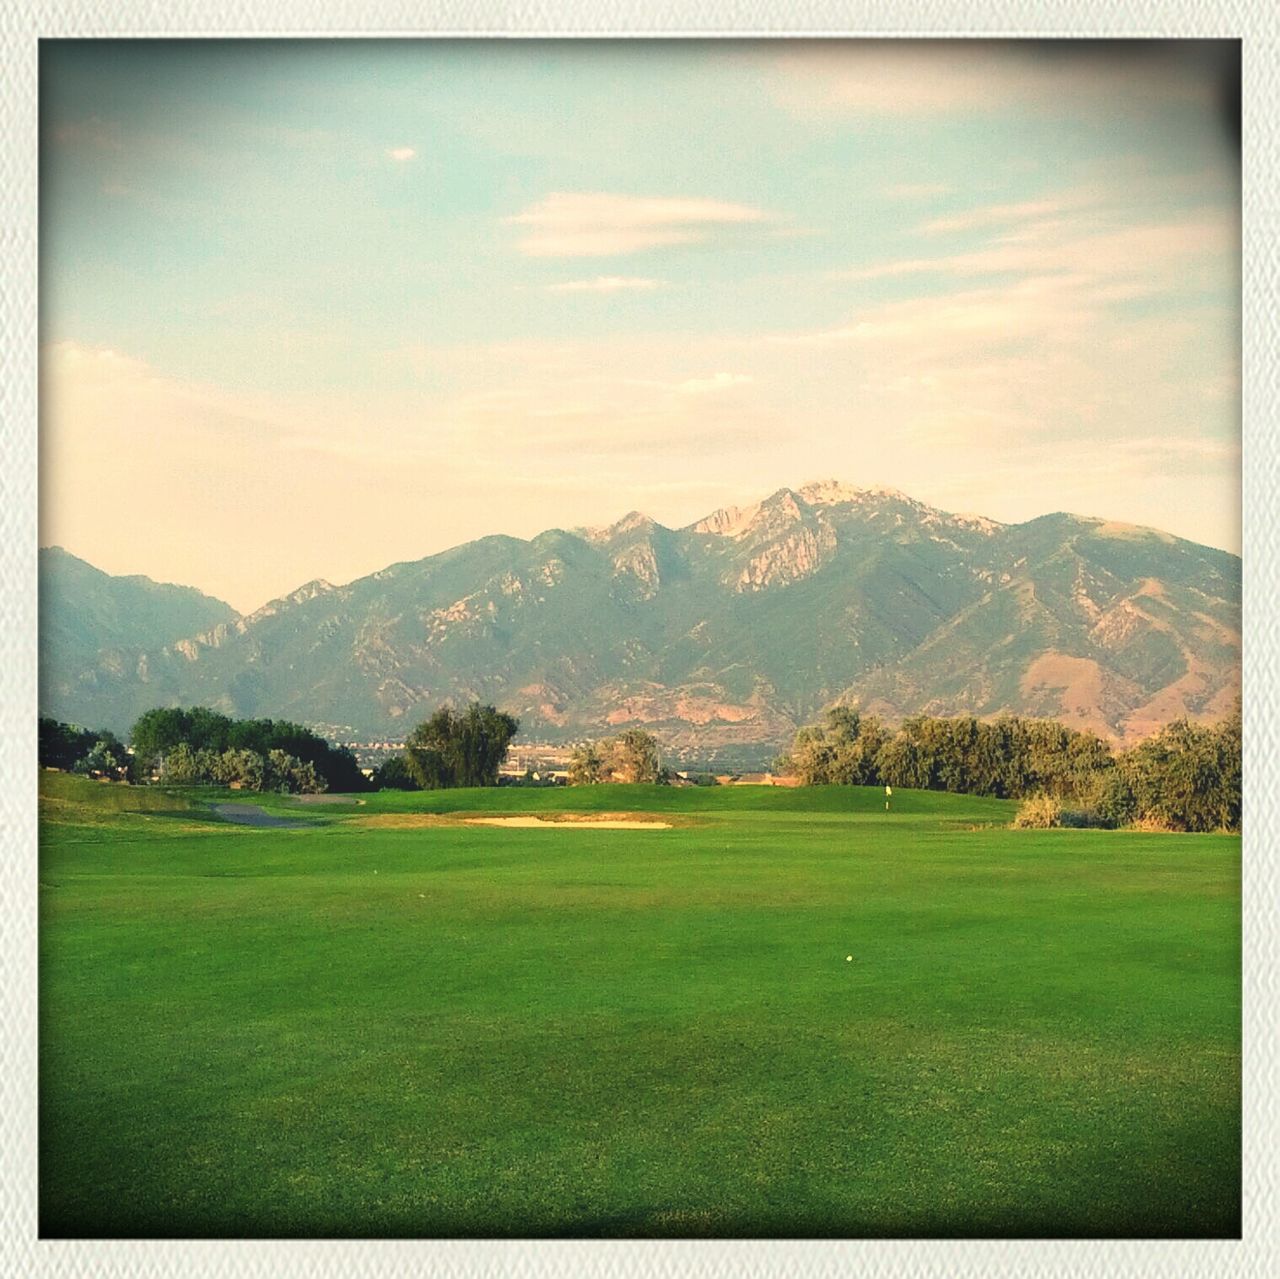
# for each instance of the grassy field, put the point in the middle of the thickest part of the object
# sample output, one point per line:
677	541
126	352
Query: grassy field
395	1023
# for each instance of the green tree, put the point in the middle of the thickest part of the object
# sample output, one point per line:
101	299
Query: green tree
452	749
586	768
394	774
107	757
840	751
62	745
240	767
631	756
181	766
899	764
156	733
1186	777
206	730
291	775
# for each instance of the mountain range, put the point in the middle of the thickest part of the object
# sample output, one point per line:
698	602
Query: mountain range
730	631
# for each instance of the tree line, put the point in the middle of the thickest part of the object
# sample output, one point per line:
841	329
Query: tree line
203	747
1185	777
200	746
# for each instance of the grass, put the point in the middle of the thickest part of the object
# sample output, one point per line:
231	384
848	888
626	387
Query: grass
364	1030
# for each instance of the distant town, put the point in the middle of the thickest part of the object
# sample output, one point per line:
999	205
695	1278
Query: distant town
749	764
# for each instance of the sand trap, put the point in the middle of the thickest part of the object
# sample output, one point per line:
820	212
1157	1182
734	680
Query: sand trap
604	823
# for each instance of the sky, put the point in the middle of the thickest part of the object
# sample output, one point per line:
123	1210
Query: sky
310	308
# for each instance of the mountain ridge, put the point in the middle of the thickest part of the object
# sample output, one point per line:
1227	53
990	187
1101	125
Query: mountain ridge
733	628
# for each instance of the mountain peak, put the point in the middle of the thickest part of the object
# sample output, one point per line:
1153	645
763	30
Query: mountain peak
728	521
836	492
308	591
631	522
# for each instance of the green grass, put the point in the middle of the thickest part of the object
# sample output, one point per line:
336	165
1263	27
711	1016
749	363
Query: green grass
362	1029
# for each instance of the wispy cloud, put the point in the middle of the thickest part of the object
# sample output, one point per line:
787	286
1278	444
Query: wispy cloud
992	215
1114	259
568	224
607	284
401	154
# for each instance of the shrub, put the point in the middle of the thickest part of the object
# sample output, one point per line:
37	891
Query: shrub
1040	812
1108	798
1085	819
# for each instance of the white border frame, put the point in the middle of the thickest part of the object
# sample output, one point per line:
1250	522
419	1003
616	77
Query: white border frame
21	1252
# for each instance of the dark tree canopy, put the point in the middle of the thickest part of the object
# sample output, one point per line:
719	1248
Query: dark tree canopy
459	748
63	745
394	774
159	732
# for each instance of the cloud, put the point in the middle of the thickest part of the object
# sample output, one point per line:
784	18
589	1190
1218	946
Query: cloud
941	326
400	154
606	284
992	215
1112	259
568	224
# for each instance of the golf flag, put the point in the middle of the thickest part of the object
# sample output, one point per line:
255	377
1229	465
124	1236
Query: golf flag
888	790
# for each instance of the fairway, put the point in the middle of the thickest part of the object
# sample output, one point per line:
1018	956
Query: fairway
787	1013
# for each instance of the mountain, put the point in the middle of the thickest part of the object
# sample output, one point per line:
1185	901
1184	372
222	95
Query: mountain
93	627
732	630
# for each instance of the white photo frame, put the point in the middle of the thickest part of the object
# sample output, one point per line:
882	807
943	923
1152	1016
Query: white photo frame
22	1253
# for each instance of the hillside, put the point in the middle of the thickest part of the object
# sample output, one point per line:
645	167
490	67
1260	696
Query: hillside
731	630
95	629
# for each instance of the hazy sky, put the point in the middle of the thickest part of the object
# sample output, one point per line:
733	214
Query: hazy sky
311	308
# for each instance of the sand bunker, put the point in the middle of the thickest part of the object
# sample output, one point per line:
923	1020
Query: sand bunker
602	823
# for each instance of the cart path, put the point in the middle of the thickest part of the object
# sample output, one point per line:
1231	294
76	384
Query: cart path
252	815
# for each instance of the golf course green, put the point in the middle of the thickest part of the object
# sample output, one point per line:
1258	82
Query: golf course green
782	1012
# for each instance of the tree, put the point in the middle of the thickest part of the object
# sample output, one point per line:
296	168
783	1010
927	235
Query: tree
586	768
631	757
1187	776
287	773
107	757
207	730
841	751
899	764
62	745
181	766
452	749
156	733
240	767
394	774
